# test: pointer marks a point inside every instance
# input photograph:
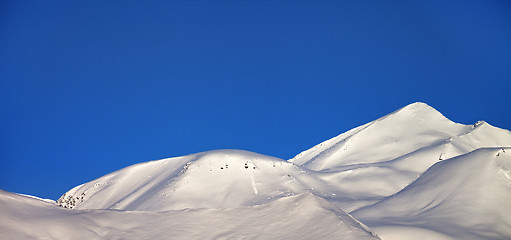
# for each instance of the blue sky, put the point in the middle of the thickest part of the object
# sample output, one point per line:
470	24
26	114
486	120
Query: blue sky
89	87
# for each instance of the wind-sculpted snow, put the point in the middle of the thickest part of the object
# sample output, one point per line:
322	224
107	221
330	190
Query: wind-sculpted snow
380	158
466	197
303	216
387	138
412	174
214	179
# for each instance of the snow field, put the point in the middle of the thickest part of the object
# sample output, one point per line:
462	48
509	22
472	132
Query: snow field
412	174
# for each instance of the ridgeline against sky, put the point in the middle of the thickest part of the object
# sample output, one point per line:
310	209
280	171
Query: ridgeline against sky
87	88
412	173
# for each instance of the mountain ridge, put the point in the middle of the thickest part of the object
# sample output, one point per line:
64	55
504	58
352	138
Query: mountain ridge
397	147
455	208
410	174
28	218
186	182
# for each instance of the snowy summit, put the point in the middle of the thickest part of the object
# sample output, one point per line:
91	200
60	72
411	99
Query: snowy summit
412	174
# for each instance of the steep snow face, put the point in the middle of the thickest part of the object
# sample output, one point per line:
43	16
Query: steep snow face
466	197
394	135
355	169
215	179
298	217
376	172
380	158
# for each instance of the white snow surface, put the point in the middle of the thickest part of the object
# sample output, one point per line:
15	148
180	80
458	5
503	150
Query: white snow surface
412	174
298	217
466	197
213	179
380	158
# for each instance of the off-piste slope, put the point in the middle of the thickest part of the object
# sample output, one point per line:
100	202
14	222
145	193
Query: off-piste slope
466	197
304	216
214	179
380	158
352	170
376	171
389	137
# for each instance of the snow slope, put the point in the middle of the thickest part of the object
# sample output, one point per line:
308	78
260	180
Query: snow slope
213	179
466	197
384	139
355	169
299	217
412	174
380	158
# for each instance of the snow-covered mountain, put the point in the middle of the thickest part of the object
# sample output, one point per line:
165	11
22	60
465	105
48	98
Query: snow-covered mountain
303	216
380	158
214	179
465	197
412	174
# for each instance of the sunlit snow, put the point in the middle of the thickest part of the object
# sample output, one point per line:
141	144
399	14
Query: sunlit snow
412	174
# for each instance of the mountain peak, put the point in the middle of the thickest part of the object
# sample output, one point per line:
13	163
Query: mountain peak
404	130
412	173
202	180
418	109
417	105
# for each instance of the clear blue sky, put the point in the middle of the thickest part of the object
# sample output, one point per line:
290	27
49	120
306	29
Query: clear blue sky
89	87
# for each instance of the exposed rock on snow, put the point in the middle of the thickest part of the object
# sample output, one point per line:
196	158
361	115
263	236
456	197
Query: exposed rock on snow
412	174
214	179
380	158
